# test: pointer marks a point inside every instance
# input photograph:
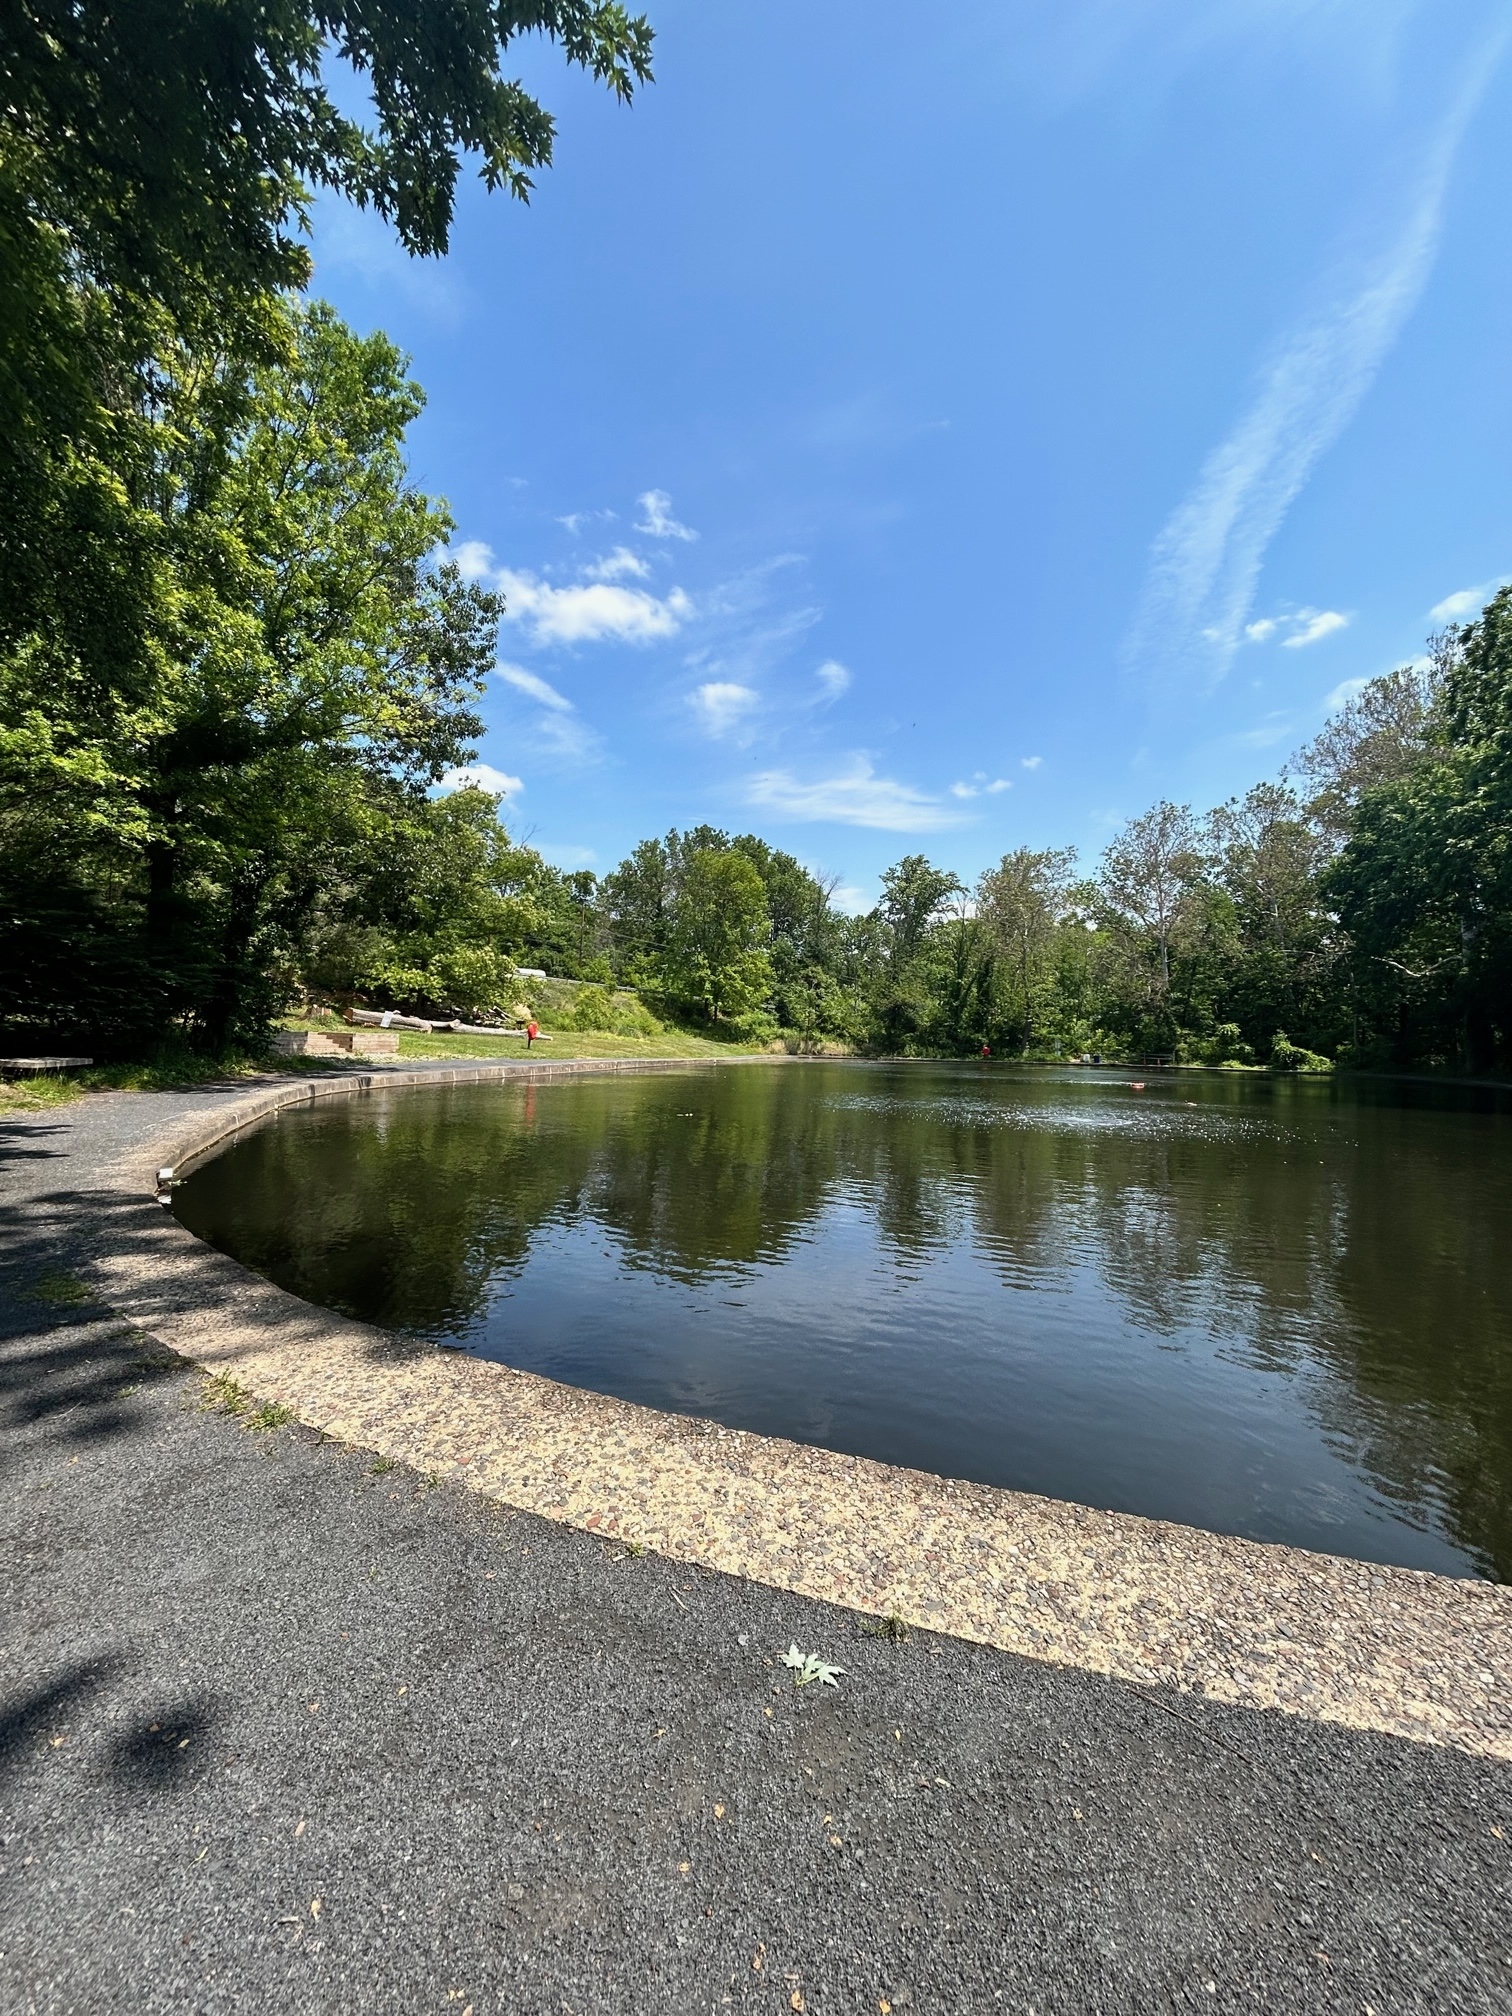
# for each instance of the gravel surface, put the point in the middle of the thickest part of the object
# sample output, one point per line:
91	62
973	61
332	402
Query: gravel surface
283	1728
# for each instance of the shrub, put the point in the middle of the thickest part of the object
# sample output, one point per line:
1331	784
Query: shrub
592	1009
1289	1056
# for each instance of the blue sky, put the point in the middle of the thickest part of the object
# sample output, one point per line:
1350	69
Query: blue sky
953	429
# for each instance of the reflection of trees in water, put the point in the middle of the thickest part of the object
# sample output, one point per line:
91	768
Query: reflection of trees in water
1425	1358
1360	1259
1371	1272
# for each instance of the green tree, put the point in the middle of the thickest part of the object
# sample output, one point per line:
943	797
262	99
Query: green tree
916	896
1269	858
156	163
1424	880
432	912
1148	888
311	677
1021	903
716	957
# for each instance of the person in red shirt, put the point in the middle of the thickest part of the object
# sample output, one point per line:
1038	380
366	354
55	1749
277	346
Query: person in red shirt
532	1030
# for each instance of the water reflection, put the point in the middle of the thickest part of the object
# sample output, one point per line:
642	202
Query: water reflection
1271	1308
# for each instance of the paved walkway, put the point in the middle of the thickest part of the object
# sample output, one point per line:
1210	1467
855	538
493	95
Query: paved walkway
283	1728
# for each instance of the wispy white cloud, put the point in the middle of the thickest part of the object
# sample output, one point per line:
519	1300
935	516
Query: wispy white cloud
565	738
1312	626
559	732
1206	561
1030	762
1300	627
1133	52
855	796
834	677
482	777
722	705
851	899
1343	693
360	243
656	519
1466	603
584	612
534	686
619	564
1276	727
980	786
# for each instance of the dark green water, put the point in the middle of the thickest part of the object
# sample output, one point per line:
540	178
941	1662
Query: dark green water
1269	1307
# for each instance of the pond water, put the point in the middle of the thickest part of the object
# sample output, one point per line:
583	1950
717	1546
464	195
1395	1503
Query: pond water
1270	1307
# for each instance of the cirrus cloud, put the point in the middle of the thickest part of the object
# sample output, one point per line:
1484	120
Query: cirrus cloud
534	686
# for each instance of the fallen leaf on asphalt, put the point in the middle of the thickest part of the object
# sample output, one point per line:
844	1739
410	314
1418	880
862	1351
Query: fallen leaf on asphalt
299	1830
808	1667
719	1812
683	1868
758	1960
884	2005
795	2001
314	1907
835	1841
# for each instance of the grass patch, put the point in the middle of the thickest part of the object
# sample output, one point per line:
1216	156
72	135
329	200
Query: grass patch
892	1628
262	1420
571	1044
222	1394
62	1289
168	1070
34	1095
382	1467
177	1068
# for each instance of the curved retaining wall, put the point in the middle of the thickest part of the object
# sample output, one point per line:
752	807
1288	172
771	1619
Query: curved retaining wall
1421	1656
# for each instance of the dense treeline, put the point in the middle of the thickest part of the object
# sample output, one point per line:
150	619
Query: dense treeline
1358	910
235	667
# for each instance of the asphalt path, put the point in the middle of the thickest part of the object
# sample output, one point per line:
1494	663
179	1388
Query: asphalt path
283	1729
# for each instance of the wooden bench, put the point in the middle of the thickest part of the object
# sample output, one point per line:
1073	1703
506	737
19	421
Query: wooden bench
8	1064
